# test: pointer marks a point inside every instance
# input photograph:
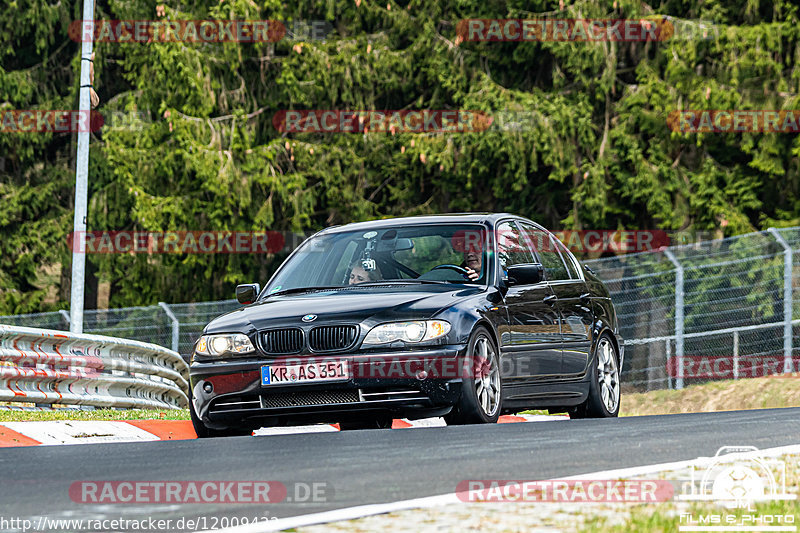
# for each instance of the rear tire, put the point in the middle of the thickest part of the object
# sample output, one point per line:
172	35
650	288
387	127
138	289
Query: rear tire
482	389
604	386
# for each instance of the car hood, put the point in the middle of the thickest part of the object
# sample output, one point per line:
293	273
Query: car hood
370	305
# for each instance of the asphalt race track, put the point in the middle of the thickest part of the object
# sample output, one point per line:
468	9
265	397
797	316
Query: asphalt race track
375	466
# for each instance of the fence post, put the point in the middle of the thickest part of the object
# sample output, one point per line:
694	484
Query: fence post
176	326
678	317
670	379
736	354
787	300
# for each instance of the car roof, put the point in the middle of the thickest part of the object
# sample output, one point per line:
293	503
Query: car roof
448	218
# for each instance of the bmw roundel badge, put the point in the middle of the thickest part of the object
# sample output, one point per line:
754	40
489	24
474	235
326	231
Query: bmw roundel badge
309	318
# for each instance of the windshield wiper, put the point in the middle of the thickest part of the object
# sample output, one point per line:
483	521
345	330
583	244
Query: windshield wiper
395	281
345	287
303	289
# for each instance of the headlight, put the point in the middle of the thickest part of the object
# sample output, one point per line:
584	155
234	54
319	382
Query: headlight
218	345
417	331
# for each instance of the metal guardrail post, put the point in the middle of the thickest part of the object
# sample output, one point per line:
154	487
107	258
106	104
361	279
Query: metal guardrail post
787	300
678	317
176	325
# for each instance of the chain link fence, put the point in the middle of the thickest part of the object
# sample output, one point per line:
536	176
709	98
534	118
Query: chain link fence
716	309
711	310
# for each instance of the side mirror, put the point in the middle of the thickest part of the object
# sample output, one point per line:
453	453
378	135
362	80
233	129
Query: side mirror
247	294
527	274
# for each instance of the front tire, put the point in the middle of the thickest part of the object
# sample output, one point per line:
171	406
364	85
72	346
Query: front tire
481	390
204	432
604	387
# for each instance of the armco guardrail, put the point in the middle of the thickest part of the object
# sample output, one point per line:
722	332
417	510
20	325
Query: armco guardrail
44	366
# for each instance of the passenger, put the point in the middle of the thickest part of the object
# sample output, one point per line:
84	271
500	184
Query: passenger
358	274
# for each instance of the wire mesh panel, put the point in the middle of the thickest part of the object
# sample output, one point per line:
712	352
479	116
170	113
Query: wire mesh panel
730	283
54	320
642	287
643	290
193	317
792	237
148	324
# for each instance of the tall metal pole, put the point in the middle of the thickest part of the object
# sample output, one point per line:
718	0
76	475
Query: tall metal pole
176	325
678	316
82	173
787	300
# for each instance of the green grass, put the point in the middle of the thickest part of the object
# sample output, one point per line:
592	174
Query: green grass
752	393
98	414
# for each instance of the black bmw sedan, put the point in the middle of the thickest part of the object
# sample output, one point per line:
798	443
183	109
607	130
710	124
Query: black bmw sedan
465	316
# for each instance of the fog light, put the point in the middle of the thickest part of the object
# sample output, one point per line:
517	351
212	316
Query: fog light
208	387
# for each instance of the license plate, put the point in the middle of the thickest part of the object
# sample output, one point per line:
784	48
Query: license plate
305	373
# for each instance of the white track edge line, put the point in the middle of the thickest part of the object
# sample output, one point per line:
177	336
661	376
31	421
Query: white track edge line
361	511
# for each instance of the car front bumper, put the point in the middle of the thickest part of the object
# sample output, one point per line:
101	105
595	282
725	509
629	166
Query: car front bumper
403	383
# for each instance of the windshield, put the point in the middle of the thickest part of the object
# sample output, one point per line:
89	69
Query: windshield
425	253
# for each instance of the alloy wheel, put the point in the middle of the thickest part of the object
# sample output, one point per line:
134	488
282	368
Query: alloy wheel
487	376
608	375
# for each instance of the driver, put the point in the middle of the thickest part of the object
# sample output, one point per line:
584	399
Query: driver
473	263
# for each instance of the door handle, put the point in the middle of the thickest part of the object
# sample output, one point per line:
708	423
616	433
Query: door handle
550	300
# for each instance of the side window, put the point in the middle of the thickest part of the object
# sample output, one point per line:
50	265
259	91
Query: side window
512	246
554	266
568	259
